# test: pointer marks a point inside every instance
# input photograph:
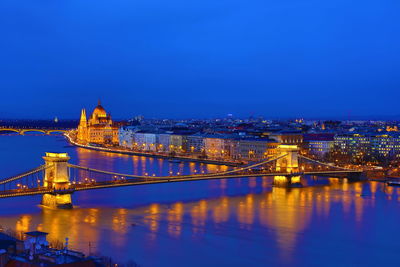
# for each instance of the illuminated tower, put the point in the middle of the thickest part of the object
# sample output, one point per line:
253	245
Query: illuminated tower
82	128
290	162
57	181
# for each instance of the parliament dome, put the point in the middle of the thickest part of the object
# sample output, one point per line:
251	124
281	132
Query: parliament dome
99	111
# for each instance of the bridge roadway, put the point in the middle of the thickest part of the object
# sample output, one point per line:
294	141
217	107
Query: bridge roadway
25	130
158	180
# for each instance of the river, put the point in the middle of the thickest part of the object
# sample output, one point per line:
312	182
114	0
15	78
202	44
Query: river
237	222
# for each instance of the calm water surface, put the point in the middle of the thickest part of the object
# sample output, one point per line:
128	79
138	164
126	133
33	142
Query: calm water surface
238	222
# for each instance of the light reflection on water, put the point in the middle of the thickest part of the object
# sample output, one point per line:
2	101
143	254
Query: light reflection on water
237	222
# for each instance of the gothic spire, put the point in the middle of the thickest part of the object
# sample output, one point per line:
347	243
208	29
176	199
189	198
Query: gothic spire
83	116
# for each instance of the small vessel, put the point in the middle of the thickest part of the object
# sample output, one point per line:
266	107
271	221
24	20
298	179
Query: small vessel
393	183
174	161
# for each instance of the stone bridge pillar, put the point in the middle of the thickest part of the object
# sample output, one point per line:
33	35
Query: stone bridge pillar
287	181
57	179
289	163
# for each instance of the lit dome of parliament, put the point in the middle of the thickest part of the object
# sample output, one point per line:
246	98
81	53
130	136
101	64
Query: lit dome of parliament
99	111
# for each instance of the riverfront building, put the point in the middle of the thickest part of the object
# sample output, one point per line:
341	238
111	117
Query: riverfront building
254	149
318	145
212	146
369	146
99	129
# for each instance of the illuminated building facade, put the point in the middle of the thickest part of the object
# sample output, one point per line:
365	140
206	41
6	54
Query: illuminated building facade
254	149
366	146
195	143
318	145
214	146
145	141
288	137
163	142
99	129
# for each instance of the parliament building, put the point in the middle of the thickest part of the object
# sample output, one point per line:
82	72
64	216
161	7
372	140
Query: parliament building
99	129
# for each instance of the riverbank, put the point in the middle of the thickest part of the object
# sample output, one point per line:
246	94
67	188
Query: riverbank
145	154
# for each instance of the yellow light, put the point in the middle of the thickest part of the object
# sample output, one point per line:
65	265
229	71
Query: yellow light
56	155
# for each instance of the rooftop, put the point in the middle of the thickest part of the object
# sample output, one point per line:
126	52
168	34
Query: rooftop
36	233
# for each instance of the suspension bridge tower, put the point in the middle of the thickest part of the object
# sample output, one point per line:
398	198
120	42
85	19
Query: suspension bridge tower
290	162
56	178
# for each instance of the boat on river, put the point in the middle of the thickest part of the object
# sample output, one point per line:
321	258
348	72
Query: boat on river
393	183
174	161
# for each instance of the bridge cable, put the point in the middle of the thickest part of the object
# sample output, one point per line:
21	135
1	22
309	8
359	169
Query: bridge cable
179	176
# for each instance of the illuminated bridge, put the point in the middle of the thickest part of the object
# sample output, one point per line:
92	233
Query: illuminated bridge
23	131
57	179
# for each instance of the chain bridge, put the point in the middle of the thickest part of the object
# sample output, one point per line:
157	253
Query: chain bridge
57	179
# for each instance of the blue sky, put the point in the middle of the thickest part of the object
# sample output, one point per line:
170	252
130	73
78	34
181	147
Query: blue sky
200	58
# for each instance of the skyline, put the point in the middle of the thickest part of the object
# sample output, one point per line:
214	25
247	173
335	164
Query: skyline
200	59
349	116
346	117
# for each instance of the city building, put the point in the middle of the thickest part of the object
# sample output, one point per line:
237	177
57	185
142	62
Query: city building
318	145
195	143
34	250
288	137
163	142
99	129
126	136
254	149
214	146
145	141
177	143
364	147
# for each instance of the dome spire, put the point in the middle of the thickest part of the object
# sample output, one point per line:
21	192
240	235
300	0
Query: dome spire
99	102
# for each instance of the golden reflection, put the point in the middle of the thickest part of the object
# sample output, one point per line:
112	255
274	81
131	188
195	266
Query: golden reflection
245	212
192	167
374	188
359	205
334	181
135	161
174	217
119	224
389	192
284	212
181	166
252	182
296	179
91	217
265	182
221	211
345	185
281	211
211	168
222	184
199	216
23	224
152	219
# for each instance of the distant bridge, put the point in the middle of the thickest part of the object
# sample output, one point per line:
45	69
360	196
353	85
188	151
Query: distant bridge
23	131
57	179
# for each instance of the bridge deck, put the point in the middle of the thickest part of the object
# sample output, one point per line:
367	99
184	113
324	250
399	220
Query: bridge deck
150	180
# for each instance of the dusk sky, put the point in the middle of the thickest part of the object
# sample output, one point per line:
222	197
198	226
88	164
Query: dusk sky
200	58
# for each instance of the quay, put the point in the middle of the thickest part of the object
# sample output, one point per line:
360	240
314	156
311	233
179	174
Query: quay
152	155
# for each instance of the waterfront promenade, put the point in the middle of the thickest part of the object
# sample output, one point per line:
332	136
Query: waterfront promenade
120	150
